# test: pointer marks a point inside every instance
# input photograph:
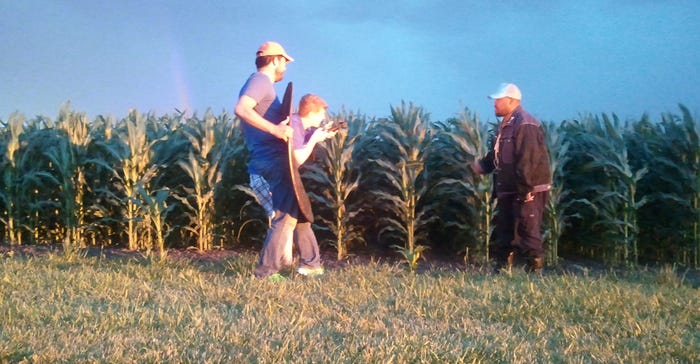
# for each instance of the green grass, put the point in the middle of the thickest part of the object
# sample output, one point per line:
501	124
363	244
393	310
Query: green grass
59	308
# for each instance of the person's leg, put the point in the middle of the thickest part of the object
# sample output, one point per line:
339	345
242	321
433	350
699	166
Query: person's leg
504	231
288	256
275	249
307	246
529	231
273	253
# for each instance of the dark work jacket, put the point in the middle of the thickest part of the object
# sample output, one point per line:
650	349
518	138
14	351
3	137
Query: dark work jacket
523	159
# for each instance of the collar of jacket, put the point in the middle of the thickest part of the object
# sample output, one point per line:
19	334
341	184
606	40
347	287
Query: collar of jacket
513	115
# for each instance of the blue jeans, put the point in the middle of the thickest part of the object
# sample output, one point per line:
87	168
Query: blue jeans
285	224
284	227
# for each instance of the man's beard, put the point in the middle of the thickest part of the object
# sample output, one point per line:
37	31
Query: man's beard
279	75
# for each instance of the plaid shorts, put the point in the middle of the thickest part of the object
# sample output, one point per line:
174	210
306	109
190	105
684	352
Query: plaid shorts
262	191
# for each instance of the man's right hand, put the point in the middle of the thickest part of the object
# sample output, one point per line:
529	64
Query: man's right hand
476	167
283	130
245	109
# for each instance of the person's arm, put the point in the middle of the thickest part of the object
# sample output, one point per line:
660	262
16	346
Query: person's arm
245	110
484	165
303	151
531	159
476	167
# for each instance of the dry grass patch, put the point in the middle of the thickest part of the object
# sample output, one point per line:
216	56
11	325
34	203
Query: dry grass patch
92	309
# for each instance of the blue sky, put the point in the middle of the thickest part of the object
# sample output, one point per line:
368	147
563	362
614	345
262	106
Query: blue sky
568	57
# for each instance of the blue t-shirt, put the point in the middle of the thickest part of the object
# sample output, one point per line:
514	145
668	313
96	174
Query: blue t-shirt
263	145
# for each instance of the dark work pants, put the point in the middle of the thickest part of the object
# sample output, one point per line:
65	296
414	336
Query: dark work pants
519	227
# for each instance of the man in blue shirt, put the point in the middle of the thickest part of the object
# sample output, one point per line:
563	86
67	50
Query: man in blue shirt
266	130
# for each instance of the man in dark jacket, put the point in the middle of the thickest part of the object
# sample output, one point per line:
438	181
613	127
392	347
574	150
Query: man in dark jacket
520	163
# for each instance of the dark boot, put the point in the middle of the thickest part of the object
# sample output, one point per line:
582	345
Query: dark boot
535	265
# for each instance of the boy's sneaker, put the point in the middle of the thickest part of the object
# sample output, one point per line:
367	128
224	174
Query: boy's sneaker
276	277
310	272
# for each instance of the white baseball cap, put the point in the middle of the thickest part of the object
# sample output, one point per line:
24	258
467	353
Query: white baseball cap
507	90
273	49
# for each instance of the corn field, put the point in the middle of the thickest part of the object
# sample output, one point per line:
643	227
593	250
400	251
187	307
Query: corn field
626	192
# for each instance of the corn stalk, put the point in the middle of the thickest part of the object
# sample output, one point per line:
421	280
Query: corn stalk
38	206
204	166
617	204
409	132
11	180
557	217
69	159
132	151
692	159
337	178
156	204
678	160
467	140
